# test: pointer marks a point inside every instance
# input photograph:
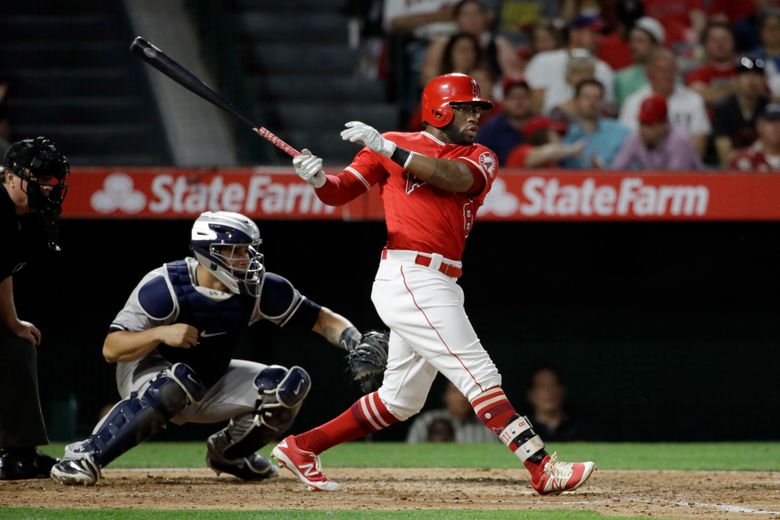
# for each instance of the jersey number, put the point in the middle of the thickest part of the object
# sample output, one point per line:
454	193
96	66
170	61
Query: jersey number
468	217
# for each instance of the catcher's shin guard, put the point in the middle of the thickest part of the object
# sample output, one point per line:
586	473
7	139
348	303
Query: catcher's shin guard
282	392
133	420
232	449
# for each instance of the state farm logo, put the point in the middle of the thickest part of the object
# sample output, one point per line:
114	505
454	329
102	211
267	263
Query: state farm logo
118	193
181	194
499	201
553	196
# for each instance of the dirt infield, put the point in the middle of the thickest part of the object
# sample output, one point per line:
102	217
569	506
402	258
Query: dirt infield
673	494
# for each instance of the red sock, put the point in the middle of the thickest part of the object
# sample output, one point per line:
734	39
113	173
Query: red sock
367	415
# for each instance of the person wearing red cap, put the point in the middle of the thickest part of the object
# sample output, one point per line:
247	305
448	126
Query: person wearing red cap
658	145
686	107
543	147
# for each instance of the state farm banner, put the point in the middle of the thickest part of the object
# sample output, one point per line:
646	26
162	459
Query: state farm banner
277	193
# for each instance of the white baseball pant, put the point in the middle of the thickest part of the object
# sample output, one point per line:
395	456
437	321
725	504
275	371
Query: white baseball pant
429	333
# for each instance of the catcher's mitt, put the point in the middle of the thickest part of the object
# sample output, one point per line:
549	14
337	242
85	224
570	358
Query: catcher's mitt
368	359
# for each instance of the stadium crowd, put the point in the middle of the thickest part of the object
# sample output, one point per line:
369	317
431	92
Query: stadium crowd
599	84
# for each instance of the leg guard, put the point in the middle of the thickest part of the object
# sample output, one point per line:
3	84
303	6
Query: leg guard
135	419
281	394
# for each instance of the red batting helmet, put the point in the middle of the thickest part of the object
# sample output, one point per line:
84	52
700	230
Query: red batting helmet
441	91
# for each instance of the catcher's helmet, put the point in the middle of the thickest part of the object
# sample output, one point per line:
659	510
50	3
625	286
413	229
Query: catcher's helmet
38	162
218	239
441	91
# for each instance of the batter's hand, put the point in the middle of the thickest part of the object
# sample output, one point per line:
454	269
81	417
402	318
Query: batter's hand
28	331
369	137
309	168
178	335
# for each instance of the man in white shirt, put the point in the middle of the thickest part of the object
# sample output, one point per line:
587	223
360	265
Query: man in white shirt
686	107
547	70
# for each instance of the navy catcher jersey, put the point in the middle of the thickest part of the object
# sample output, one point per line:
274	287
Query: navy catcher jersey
168	295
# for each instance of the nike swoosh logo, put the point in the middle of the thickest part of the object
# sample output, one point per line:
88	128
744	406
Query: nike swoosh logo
205	334
298	389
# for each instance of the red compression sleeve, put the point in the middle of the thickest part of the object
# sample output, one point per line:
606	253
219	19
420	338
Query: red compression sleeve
340	189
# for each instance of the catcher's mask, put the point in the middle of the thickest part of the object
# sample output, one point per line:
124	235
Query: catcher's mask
227	244
44	168
38	162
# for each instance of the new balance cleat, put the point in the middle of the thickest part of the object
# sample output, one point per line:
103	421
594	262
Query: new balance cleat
253	467
555	476
304	464
72	472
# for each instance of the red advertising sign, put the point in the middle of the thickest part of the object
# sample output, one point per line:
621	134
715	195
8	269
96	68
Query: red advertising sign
276	193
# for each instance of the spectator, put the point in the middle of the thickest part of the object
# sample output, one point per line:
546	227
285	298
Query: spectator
736	117
713	80
546	394
769	50
764	154
686	107
602	136
516	14
546	36
504	131
742	17
542	146
684	20
422	19
580	66
460	416
498	53
462	53
658	145
644	38
547	70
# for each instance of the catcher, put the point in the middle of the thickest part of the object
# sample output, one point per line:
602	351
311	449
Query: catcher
174	341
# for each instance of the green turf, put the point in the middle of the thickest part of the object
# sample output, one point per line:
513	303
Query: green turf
433	514
680	456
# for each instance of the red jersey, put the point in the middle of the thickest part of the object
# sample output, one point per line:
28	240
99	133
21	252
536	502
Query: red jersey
711	75
753	159
419	217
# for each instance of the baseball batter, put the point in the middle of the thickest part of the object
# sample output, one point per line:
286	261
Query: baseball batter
174	342
432	184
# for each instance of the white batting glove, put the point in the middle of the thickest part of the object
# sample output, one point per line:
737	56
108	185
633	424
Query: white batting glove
309	168
369	137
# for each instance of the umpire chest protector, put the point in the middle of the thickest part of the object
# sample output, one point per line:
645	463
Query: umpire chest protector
220	323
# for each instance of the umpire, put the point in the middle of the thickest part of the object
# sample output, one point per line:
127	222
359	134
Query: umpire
33	180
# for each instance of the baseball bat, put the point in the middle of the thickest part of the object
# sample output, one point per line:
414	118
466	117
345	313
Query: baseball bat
160	61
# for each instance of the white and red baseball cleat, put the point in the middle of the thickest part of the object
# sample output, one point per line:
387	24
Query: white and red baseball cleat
555	476
304	464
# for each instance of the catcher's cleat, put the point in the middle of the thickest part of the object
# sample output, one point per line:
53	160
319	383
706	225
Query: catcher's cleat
304	464
253	467
71	472
555	476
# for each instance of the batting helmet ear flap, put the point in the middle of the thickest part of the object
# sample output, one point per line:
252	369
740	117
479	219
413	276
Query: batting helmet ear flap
449	88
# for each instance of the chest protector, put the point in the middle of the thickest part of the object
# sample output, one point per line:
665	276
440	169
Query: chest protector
220	324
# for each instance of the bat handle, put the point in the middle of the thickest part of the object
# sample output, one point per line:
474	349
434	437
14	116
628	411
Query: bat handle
276	141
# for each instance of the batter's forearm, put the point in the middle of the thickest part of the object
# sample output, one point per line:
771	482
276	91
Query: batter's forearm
445	174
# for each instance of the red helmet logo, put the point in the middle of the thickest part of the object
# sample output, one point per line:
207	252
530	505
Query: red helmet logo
446	89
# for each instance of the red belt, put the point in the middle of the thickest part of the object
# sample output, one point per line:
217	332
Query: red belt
446	269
